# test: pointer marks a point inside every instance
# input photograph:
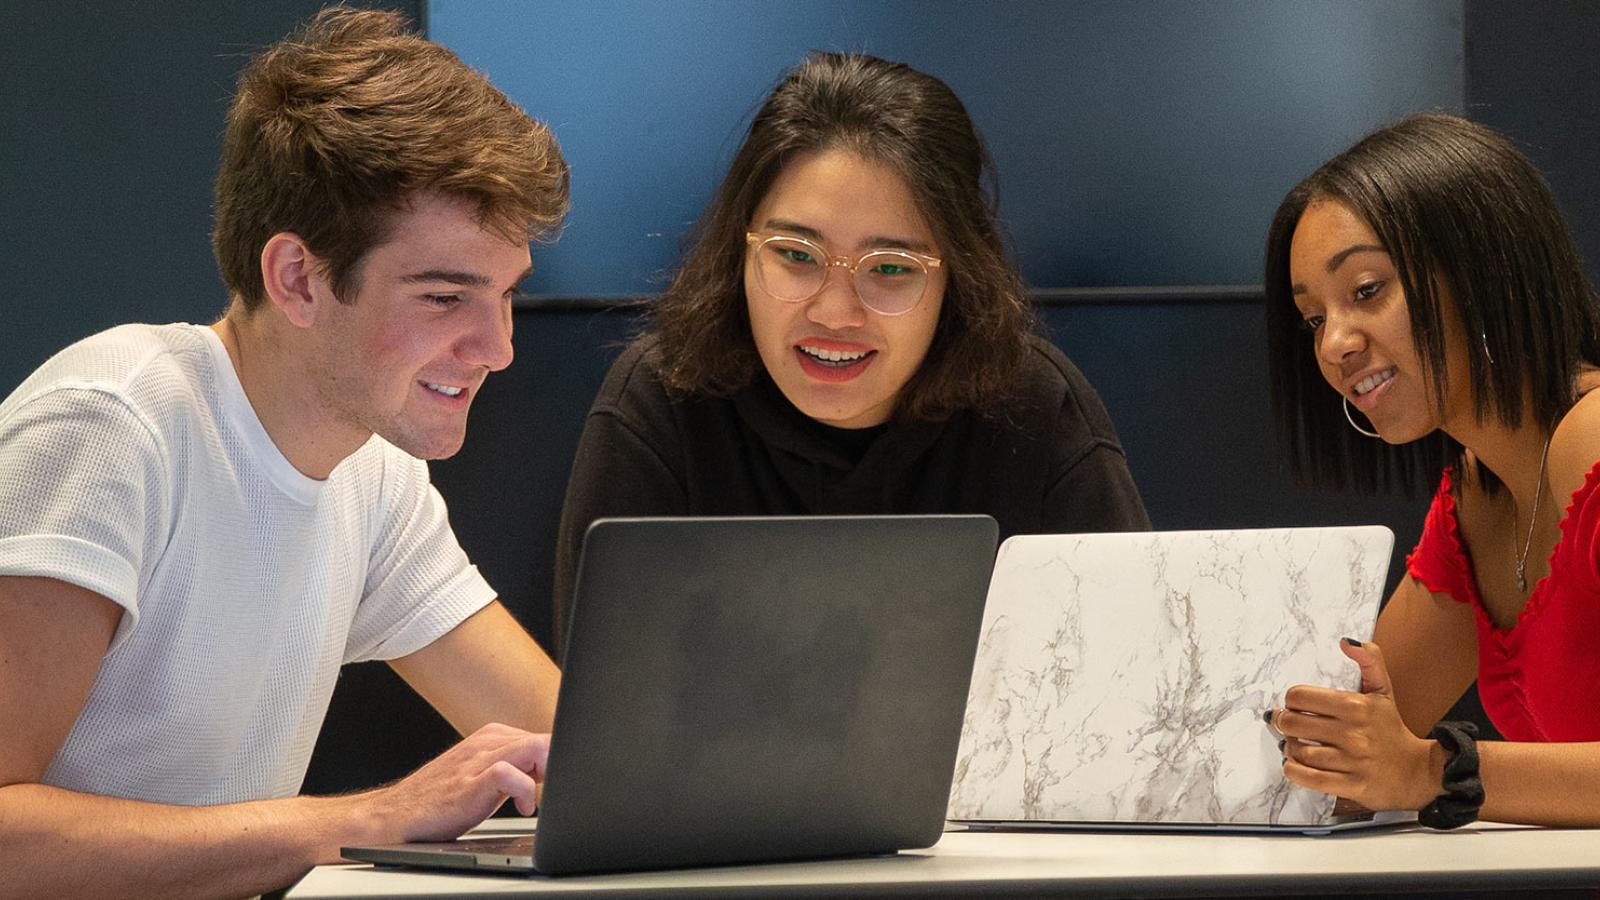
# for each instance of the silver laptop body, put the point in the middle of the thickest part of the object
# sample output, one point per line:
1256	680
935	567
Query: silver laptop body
1121	678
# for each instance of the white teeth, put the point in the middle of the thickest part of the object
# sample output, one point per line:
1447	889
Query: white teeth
1371	381
444	389
833	356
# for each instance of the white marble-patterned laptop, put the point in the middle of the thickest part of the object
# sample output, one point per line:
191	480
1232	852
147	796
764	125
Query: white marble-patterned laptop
1121	678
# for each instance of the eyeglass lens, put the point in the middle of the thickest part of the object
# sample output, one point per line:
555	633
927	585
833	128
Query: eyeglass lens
886	281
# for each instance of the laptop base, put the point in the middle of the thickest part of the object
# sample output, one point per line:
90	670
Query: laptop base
1311	829
497	853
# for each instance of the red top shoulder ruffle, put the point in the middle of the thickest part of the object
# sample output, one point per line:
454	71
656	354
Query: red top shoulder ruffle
1535	677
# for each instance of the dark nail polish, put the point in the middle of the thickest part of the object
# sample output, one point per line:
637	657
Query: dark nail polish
1281	744
1352	642
1267	717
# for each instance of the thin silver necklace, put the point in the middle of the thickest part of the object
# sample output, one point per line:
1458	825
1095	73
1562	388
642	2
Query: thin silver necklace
1533	517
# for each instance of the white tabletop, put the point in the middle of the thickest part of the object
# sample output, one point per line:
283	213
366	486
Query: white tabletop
1483	856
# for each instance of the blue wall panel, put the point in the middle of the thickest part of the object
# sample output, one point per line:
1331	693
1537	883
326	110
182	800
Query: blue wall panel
1137	142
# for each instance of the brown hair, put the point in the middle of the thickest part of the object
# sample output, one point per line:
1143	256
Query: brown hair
912	122
333	130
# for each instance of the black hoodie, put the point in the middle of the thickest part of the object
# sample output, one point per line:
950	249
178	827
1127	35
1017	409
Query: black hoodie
1050	464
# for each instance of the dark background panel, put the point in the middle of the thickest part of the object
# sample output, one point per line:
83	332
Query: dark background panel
1533	72
114	115
1186	402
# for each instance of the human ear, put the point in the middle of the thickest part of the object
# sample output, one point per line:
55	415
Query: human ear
293	278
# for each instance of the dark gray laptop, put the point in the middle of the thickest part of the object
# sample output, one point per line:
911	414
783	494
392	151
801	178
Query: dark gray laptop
752	689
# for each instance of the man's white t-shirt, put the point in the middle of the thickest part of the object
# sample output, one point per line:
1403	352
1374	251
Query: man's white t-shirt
132	464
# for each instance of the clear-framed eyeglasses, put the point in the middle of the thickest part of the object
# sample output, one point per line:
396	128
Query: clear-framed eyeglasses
889	282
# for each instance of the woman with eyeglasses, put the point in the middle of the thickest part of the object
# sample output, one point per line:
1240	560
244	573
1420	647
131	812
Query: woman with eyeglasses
848	336
1427	310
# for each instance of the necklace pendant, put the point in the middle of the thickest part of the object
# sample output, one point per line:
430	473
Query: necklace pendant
1533	518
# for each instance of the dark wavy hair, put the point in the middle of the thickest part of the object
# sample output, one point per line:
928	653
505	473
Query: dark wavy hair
914	124
1456	206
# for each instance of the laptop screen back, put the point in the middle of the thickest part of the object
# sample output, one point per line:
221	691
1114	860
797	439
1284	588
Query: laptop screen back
1121	678
756	689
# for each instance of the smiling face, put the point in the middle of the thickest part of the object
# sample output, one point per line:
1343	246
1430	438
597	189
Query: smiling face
834	359
1348	291
430	320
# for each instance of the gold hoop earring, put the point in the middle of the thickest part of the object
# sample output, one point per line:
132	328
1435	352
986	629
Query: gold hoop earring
1352	420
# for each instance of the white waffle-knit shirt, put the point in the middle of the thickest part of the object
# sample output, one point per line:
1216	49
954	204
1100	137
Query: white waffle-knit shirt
132	464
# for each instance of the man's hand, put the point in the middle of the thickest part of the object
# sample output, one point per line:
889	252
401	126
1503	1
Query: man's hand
461	787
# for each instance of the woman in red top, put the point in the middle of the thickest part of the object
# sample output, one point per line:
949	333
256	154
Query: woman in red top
1427	309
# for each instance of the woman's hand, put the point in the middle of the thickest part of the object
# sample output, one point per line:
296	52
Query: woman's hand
1354	745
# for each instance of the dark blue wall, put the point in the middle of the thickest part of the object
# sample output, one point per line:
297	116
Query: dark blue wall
1137	142
113	117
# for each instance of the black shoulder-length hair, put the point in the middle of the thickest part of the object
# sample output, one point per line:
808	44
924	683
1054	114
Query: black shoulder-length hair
914	124
1456	207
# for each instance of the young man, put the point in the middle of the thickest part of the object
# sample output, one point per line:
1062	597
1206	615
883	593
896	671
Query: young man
198	526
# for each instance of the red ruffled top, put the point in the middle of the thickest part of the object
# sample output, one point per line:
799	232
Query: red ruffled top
1539	678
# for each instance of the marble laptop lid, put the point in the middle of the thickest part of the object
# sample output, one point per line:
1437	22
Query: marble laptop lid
1121	678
